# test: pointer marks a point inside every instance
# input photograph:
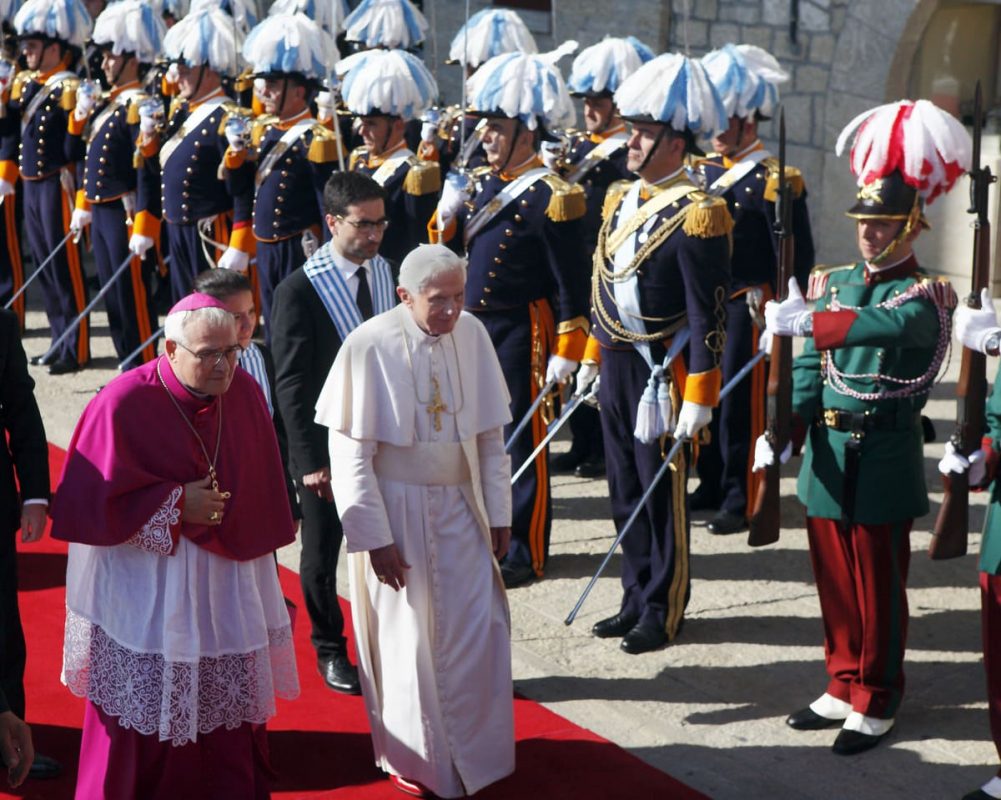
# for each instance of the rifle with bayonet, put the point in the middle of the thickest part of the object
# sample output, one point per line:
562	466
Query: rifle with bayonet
953	521
765	523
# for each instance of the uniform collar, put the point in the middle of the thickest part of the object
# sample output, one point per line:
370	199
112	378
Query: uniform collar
729	161
288	122
648	190
42	77
900	269
521	169
217	92
598	138
378	161
117	90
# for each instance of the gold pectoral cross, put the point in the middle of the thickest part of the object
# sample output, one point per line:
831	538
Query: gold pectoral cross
437	405
215	483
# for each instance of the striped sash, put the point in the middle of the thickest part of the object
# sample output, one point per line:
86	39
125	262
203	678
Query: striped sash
338	299
252	360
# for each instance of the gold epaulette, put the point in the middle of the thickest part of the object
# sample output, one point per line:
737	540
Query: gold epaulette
816	287
707	216
175	104
423	177
22	78
615	192
323	148
793	177
567	200
132	107
244	81
260	126
938	289
67	97
358	154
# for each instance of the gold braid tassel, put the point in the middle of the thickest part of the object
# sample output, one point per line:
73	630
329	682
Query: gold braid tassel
423	177
323	148
566	200
708	217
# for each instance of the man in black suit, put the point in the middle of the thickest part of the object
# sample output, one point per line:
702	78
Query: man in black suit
313	310
24	455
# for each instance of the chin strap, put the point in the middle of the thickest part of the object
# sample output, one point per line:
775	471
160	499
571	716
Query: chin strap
514	141
910	224
656	144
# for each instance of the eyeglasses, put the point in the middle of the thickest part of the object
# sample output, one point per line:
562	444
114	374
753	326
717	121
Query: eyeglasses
366	225
214	357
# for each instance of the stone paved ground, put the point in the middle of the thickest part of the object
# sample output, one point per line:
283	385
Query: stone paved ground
709	709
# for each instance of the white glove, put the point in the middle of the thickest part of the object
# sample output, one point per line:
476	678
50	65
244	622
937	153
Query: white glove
692	418
559	368
791	317
79	221
150	117
139	244
237	132
455	191
429	125
86	98
552	152
324	106
586	375
973	326
234	259
173	74
958	463
764	455
765	341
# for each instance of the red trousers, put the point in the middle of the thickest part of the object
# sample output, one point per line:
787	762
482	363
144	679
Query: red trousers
990	620
861	574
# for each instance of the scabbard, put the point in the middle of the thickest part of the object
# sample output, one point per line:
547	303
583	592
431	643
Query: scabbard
849	486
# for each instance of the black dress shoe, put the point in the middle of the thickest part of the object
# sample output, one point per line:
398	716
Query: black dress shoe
516	574
565	462
705	499
35	361
806	719
643	638
44	768
727	522
850	743
619	625
339	674
591	468
63	366
977	794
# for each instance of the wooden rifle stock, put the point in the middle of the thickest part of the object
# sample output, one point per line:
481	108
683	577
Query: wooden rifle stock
764	523
953	522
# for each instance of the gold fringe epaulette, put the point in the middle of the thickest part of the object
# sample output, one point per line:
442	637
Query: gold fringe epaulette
423	177
793	177
939	289
20	81
358	154
67	97
567	201
260	126
132	108
616	191
707	216
816	287
323	148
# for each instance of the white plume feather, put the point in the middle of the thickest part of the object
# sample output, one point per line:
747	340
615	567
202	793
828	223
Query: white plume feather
522	86
290	43
386	23
67	20
491	32
131	26
392	82
205	37
328	14
603	66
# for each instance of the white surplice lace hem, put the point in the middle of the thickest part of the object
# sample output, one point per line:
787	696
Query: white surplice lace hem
155	536
172	699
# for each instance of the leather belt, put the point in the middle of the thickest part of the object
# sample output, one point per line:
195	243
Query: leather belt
857	421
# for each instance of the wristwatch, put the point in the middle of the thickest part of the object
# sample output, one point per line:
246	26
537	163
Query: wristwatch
992	342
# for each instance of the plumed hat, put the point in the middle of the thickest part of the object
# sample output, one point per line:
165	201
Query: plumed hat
391	82
66	21
242	12
386	23
205	37
746	78
328	14
601	68
525	87
290	44
673	90
490	32
130	26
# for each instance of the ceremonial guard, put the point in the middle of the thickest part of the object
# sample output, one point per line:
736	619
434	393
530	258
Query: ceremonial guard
525	243
595	159
208	224
383	89
103	128
52	34
877	333
745	174
290	155
661	270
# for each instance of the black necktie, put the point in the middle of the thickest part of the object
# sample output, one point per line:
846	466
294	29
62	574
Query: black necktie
364	296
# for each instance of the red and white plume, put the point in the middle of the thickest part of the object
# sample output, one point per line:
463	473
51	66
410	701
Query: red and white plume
929	146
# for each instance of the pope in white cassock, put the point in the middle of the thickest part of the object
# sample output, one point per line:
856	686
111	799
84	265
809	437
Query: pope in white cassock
415	403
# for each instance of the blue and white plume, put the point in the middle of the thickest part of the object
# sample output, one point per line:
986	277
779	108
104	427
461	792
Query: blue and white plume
8	8
491	32
243	12
392	82
747	79
522	86
131	26
290	43
176	8
328	14
602	67
674	90
386	23
205	37
67	20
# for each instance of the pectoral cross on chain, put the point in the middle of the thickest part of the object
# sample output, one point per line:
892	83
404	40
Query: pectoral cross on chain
437	405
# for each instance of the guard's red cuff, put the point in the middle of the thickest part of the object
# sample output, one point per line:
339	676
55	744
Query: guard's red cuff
234	158
80	201
427	151
592	350
440	237
830	328
242	238
571	345
9	171
150	147
74	126
703	387
145	224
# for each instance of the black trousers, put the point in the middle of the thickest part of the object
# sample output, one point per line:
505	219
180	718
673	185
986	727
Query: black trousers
275	262
320	536
12	651
655	577
188	253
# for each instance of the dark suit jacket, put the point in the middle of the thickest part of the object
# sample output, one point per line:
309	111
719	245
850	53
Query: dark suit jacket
26	454
276	417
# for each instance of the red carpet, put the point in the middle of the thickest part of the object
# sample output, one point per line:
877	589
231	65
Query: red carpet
320	745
